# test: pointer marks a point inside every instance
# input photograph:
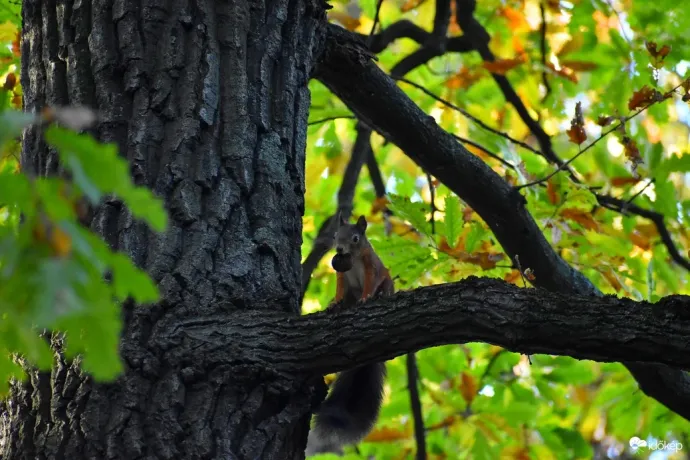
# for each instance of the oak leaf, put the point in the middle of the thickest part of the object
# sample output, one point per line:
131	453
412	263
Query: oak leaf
501	66
576	133
644	97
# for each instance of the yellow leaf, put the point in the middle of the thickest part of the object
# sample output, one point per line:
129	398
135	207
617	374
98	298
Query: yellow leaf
8	31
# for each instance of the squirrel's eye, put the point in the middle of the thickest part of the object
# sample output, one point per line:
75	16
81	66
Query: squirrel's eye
355	238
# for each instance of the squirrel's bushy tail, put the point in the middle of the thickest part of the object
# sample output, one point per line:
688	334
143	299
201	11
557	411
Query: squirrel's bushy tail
350	410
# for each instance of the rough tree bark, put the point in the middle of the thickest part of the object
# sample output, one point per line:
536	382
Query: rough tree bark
208	101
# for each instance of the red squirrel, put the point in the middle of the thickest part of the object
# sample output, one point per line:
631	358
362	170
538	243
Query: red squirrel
350	411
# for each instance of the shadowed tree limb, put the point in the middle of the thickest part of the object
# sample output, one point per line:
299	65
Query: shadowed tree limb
375	98
529	321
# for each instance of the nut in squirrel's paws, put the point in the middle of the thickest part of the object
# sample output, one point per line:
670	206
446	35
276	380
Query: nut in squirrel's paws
342	262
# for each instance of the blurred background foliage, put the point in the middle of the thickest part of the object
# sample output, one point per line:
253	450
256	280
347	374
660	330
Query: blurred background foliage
608	59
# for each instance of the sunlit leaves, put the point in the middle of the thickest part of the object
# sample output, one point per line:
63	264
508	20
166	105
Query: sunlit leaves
620	61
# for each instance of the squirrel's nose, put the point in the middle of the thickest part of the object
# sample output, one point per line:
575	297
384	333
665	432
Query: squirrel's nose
339	249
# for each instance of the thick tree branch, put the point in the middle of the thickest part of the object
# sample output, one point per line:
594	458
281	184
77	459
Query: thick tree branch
382	105
486	310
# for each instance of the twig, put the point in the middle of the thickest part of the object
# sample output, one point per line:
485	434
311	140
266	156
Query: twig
416	405
468	115
485	150
624	207
543	50
370	39
432	221
335	117
603	135
649	182
620	21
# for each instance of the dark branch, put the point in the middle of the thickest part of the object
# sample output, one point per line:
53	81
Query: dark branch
382	105
416	405
544	76
408	29
625	207
530	321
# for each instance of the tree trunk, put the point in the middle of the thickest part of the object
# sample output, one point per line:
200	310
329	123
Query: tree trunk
208	100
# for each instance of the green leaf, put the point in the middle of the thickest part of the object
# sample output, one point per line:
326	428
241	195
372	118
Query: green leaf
413	212
130	280
106	172
12	122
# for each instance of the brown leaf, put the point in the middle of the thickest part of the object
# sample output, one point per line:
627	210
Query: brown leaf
576	133
640	240
454	27
468	387
386	434
604	121
512	277
563	71
631	150
580	66
643	97
554	5
379	204
467	214
620	181
501	66
10	81
463	79
583	218
16	49
657	56
552	192
410	5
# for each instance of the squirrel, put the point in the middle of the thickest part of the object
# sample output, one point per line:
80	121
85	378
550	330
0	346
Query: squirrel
350	411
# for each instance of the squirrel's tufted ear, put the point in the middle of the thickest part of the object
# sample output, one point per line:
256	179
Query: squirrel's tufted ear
340	220
362	224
